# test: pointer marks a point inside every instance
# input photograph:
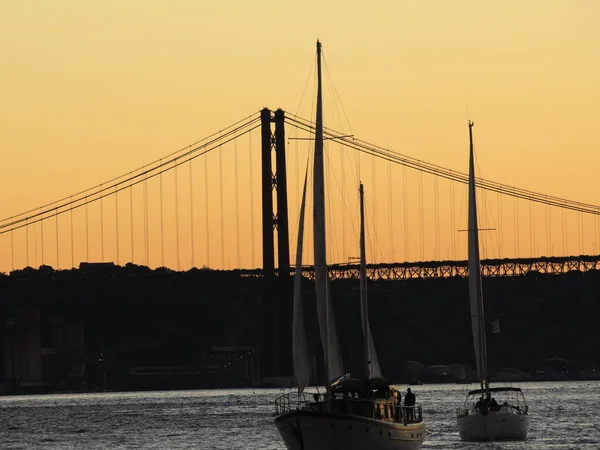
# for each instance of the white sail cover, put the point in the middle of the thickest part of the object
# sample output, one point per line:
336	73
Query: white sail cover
374	369
336	366
475	290
302	361
333	360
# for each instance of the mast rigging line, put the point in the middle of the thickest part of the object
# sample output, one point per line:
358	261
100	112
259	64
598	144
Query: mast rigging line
449	174
173	156
43	214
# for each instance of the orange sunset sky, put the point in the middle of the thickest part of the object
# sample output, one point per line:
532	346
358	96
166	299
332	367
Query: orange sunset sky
91	90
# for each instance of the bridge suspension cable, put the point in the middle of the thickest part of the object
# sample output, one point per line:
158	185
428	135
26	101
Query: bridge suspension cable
125	181
439	171
245	127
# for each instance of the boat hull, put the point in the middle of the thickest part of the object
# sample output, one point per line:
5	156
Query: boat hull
312	430
493	426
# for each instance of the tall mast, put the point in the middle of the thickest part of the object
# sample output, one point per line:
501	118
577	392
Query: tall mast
363	285
319	215
475	288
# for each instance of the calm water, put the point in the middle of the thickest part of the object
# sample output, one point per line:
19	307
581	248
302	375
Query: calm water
564	416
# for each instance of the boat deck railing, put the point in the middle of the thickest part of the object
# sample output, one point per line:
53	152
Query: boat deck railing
381	409
290	402
512	400
515	409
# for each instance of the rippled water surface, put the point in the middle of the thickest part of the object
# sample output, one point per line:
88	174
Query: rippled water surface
563	416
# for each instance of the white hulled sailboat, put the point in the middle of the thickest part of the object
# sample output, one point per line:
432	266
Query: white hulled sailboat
353	413
483	417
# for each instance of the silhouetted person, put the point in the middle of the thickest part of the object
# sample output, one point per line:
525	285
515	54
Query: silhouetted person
409	400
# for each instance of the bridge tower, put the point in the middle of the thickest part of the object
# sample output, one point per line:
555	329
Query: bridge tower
277	302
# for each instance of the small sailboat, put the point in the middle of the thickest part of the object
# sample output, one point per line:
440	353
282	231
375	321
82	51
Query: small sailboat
354	412
489	413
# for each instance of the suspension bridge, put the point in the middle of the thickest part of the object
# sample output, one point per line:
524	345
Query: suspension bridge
220	203
230	203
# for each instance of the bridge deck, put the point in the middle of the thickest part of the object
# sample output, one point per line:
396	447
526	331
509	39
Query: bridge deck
447	269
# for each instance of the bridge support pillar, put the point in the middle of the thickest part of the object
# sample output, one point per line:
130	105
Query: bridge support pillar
277	344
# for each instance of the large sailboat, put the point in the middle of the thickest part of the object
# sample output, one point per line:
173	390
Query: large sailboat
489	413
355	412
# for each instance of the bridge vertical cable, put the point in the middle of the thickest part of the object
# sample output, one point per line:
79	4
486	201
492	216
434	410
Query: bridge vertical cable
405	210
177	216
499	204
222	214
331	247
580	232
344	248
131	223
452	222
116	223
392	254
72	244
35	245
596	241
12	250
421	217
206	210
102	227
483	222
146	237
374	214
237	204
516	209
251	200
162	228
57	245
437	220
192	214
548	226
27	241
87	235
42	239
564	234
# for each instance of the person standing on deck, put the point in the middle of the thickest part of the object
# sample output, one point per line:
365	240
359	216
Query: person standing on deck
409	400
397	404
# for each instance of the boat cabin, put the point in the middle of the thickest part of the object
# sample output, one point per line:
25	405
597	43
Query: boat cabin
375	398
511	398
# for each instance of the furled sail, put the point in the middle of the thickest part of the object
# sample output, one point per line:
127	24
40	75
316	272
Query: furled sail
336	365
475	290
333	360
302	361
372	369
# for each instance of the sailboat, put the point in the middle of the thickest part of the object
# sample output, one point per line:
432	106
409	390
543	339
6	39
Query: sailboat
354	412
489	413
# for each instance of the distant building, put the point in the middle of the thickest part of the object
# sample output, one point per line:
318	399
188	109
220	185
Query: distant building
22	348
42	351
